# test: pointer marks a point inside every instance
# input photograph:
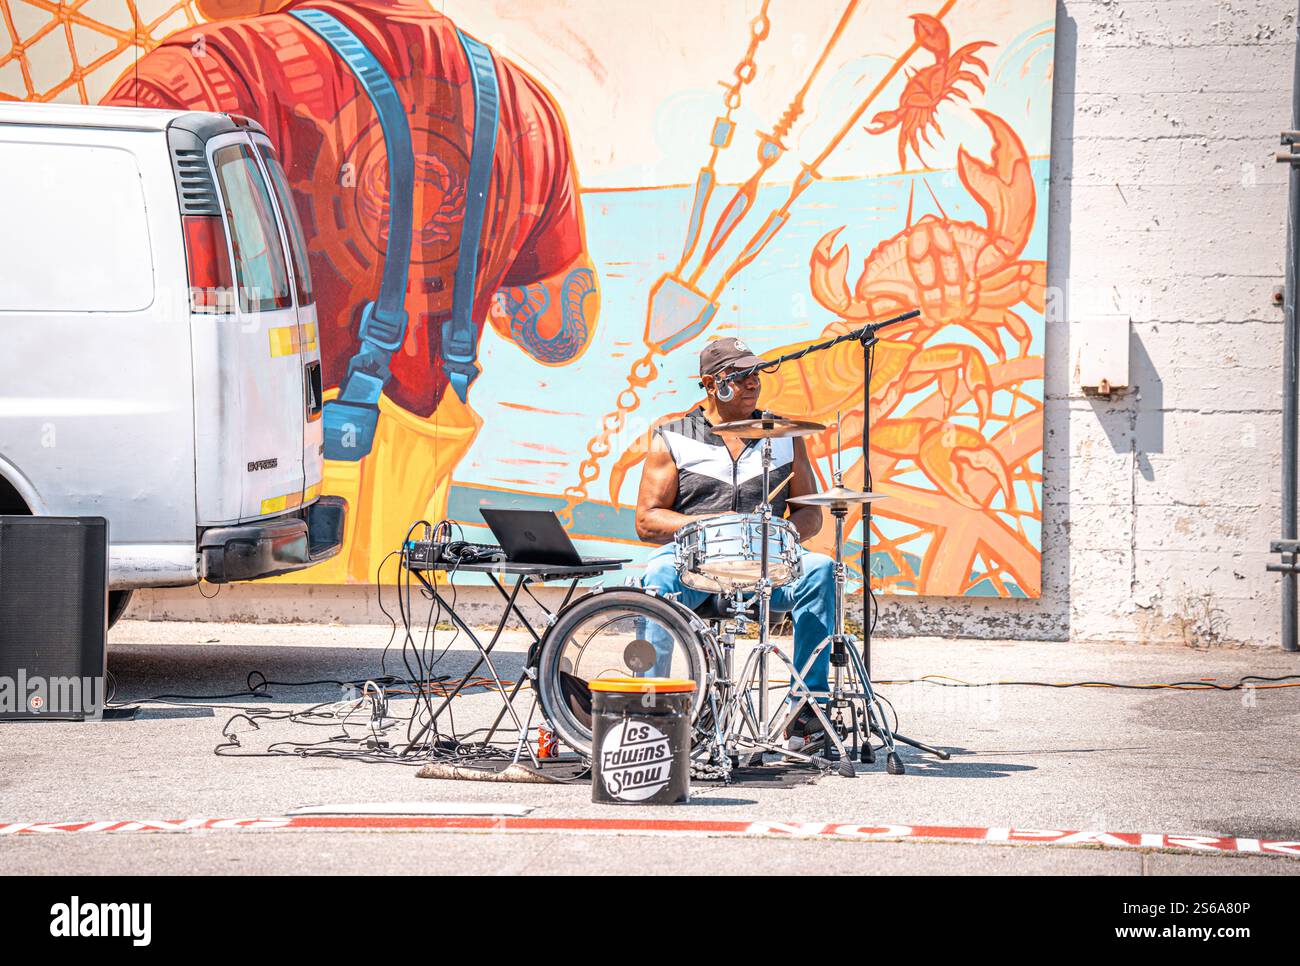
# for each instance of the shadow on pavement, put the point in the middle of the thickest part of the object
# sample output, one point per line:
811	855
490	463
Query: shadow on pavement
927	767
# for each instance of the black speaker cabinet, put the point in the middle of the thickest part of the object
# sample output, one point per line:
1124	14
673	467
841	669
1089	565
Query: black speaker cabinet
53	617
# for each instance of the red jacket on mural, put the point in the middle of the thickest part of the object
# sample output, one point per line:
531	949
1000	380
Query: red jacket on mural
273	68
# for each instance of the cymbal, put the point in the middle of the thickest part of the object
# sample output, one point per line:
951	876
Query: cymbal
840	496
773	426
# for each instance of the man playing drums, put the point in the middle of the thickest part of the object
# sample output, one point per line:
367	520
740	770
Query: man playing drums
692	473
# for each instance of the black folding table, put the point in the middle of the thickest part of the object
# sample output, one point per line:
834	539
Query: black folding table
524	575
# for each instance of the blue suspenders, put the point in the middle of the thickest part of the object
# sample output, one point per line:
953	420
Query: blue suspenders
459	333
350	420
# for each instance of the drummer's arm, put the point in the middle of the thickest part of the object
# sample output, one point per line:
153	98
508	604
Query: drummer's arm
806	519
656	521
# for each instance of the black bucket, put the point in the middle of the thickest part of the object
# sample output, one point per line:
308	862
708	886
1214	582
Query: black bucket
641	740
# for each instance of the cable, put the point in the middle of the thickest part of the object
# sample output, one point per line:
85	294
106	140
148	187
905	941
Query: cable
353	739
257	685
1205	684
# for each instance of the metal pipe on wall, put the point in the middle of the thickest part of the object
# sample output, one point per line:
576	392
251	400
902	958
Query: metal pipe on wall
1290	369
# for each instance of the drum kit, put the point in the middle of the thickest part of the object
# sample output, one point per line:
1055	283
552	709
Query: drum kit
740	559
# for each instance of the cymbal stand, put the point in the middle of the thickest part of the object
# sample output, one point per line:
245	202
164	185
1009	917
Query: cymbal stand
762	736
860	662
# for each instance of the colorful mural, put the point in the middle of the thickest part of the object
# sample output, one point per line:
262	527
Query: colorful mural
631	218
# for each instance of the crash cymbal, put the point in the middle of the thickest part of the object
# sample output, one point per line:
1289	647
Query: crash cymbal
770	427
840	496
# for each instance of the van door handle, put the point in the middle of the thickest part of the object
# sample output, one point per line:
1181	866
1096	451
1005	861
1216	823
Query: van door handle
314	389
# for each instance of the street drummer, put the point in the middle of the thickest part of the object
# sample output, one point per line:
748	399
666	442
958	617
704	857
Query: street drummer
692	473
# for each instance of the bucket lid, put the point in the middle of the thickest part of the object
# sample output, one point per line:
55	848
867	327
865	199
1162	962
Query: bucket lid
625	685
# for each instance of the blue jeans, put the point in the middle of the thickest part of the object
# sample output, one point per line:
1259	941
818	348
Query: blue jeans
811	597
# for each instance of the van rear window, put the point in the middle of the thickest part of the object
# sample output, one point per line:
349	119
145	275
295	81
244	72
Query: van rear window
293	227
76	236
260	271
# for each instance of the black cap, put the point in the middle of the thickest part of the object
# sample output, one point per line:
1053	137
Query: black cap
727	354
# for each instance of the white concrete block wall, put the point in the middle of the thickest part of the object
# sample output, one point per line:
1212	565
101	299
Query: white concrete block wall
1167	206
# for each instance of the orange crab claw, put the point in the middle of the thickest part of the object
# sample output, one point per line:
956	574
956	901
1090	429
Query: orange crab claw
970	78
963	465
931	34
1004	187
883	122
900	438
829	274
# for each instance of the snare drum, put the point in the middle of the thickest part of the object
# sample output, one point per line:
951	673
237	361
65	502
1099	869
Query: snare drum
724	554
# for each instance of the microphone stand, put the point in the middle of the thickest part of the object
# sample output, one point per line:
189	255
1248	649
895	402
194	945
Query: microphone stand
868	597
867	337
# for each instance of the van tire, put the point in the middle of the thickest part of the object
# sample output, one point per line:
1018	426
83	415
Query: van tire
118	602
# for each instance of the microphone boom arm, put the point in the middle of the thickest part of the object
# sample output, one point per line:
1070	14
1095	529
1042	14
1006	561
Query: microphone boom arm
857	335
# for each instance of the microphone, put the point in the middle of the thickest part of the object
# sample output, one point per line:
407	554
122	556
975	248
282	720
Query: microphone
725	390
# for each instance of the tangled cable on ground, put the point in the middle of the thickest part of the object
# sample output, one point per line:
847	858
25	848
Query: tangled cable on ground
362	720
1204	684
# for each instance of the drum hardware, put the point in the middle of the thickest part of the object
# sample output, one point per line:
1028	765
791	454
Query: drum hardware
749	728
724	553
839	499
728	723
850	686
767	426
755	731
765	581
866	336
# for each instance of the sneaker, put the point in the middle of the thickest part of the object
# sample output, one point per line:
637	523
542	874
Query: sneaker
803	730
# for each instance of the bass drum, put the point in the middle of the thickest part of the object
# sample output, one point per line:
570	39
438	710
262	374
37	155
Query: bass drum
627	632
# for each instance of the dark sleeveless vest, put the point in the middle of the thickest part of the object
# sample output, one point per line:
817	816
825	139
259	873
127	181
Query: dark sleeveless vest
710	481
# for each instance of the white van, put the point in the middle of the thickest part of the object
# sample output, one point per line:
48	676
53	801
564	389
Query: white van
159	363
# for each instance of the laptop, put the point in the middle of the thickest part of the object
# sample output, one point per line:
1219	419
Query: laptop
537	537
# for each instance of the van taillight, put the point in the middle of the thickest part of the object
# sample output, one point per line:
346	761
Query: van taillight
211	285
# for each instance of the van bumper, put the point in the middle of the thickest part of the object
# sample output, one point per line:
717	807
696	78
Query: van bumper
277	546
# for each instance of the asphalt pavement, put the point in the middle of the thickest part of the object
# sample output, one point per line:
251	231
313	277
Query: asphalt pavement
1208	777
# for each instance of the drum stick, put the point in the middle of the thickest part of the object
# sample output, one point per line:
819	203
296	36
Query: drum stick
777	489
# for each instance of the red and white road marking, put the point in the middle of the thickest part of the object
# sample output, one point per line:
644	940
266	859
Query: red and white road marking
678	827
